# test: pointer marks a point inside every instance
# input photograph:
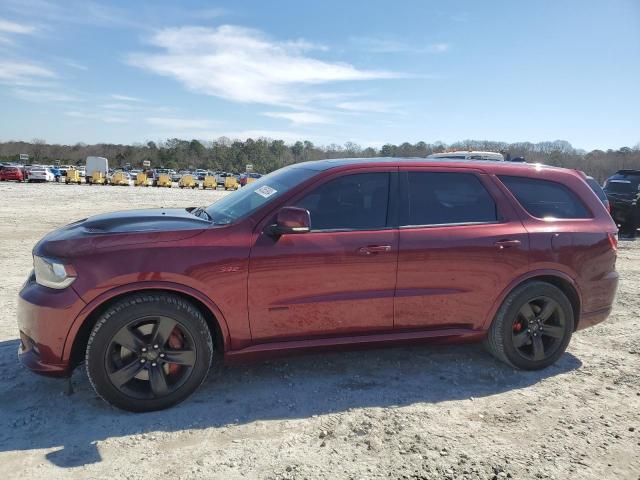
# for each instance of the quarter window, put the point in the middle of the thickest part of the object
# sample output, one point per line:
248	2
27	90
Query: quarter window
545	199
351	202
441	198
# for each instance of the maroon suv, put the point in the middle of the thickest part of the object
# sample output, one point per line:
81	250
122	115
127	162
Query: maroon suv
322	254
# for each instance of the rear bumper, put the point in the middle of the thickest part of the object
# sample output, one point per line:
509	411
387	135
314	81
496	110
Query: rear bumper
601	296
593	318
45	317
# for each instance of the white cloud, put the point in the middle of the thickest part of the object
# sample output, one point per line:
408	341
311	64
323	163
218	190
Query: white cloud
22	74
299	118
172	123
43	96
12	27
368	107
108	118
390	45
116	106
243	65
73	64
125	98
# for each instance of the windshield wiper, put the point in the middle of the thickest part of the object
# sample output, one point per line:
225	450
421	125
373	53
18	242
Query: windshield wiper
199	211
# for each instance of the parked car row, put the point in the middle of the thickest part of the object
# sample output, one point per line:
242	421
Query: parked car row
37	173
98	173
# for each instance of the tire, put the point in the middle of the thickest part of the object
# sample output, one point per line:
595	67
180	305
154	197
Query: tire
517	336
140	382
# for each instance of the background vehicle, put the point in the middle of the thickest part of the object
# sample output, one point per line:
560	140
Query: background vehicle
11	173
231	182
120	178
209	182
468	155
248	178
141	180
324	254
622	189
41	174
200	173
96	164
187	181
72	176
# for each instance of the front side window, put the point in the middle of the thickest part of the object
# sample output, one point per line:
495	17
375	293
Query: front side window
441	198
545	199
351	202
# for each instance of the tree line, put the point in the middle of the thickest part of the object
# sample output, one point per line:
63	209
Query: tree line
267	155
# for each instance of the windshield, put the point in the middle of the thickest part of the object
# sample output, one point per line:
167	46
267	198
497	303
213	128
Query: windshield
256	194
621	186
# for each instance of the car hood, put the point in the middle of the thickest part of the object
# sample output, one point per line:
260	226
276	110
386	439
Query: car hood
112	230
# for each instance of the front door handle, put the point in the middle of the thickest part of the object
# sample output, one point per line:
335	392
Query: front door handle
371	249
502	244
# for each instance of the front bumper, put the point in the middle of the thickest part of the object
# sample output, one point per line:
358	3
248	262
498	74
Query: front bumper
45	317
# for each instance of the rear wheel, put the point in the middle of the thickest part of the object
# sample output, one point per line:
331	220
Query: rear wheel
148	352
532	327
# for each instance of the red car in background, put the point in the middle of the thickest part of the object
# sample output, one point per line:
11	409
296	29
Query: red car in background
10	173
318	255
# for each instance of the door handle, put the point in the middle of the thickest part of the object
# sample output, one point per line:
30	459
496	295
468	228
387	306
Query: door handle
502	244
371	249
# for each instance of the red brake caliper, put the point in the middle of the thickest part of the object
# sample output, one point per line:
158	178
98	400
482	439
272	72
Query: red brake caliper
175	342
517	327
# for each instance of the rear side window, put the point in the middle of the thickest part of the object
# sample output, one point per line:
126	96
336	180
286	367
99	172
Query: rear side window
351	202
545	199
441	198
597	189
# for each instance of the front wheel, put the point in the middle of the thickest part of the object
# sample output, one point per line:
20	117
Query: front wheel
148	352
532	328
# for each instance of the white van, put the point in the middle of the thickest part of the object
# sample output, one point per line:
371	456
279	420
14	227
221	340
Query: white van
96	164
468	155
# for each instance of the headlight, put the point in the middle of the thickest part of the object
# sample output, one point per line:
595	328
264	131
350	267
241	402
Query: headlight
53	274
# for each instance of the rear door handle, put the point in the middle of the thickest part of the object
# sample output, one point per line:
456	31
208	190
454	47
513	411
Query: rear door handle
502	244
371	249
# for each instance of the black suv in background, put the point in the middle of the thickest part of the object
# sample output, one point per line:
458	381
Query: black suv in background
622	190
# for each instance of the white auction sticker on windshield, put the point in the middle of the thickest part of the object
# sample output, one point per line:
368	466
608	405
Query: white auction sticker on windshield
265	191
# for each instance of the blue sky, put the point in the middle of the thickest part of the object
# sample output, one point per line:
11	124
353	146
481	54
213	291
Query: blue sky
329	71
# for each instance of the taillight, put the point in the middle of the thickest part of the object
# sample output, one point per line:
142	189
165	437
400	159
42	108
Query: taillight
613	240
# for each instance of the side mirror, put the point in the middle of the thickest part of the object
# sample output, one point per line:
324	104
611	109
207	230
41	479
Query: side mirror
292	220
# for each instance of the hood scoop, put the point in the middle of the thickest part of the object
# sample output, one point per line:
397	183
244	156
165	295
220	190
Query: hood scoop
147	220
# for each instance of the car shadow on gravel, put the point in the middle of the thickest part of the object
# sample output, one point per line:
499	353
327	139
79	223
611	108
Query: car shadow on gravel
37	414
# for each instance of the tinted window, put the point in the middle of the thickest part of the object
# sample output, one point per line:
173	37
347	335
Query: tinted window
358	201
437	198
542	198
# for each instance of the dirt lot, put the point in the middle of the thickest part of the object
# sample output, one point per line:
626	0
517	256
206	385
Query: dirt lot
420	412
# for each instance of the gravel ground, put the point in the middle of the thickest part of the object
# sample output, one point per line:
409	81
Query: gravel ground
421	412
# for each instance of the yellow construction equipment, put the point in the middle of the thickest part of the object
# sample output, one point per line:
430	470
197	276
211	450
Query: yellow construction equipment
231	183
73	176
141	180
97	178
209	182
164	180
120	178
187	181
250	180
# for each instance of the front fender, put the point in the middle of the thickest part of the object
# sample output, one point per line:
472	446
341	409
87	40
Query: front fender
96	302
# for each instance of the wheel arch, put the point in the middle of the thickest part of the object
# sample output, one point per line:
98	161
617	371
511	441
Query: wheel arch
80	331
556	278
